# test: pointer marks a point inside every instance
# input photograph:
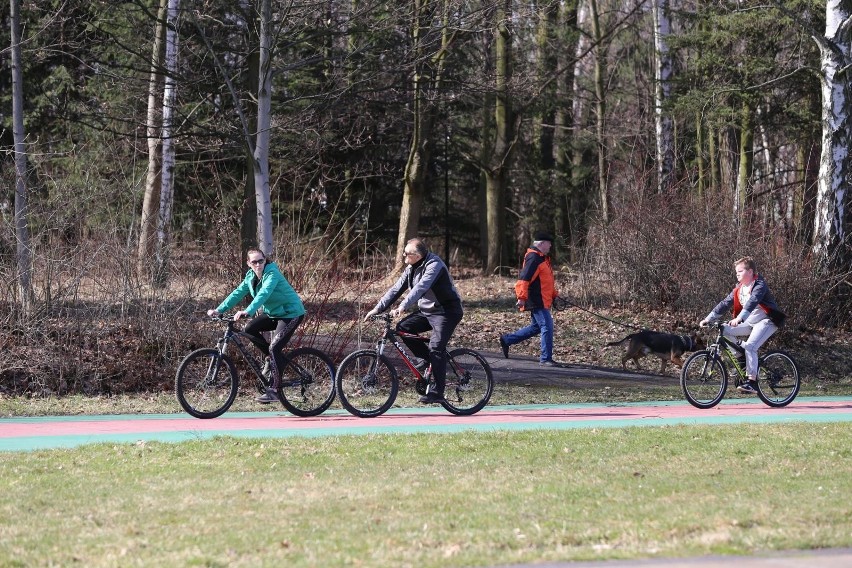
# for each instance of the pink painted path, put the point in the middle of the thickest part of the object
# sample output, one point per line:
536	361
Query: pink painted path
22	434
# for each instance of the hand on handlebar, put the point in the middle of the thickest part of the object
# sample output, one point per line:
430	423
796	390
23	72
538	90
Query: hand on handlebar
370	314
240	315
214	313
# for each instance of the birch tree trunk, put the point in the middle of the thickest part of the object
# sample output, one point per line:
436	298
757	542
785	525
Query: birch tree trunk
831	222
22	231
167	179
662	91
264	121
151	200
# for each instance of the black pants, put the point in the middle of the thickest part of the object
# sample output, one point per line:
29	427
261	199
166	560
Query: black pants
284	328
442	326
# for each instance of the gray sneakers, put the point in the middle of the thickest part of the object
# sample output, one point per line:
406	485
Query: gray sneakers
268	397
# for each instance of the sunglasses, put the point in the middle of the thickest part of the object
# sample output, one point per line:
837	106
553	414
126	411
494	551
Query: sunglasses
258	261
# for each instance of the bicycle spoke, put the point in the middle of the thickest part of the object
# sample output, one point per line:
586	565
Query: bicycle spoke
307	382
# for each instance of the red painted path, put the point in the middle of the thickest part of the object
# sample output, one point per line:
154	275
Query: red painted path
24	434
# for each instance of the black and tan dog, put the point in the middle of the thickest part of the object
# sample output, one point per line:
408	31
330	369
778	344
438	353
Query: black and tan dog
666	346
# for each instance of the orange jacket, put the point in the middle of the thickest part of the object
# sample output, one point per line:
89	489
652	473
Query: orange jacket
536	285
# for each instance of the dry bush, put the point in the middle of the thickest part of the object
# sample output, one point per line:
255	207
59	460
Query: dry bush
677	252
99	329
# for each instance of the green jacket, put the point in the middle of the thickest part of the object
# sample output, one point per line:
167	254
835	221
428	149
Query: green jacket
273	293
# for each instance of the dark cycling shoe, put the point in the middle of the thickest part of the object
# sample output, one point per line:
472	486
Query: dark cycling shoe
432	398
421	386
268	397
748	387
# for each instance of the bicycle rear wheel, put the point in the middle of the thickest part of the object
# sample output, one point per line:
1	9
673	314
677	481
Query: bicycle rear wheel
777	379
367	383
703	380
469	382
206	383
307	382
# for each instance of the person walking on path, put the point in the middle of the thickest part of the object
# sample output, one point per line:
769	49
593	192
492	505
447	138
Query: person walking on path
275	306
439	308
535	290
756	316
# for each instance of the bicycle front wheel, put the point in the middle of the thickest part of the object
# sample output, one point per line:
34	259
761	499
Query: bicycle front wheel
307	382
703	379
469	382
777	379
367	383
206	383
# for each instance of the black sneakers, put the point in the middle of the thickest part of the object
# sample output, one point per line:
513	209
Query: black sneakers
432	398
748	387
505	347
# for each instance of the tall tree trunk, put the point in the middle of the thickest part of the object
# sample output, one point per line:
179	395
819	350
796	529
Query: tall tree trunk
153	177
699	156
746	164
581	194
544	206
495	170
662	91
22	231
832	217
164	220
248	215
427	79
600	113
264	121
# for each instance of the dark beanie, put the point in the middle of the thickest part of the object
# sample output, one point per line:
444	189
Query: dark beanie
542	236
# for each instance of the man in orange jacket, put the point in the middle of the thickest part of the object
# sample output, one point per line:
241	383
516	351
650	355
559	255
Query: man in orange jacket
535	290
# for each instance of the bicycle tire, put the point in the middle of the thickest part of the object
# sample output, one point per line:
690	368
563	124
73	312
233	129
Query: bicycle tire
307	382
470	382
703	380
366	383
778	379
206	383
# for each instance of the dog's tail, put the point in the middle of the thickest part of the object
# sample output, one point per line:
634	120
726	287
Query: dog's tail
619	342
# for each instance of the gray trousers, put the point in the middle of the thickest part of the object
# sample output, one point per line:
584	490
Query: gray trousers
757	334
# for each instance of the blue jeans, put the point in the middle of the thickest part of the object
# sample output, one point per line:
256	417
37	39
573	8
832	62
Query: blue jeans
541	324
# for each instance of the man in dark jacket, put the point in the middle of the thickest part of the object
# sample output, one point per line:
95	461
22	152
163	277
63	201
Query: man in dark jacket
535	290
432	290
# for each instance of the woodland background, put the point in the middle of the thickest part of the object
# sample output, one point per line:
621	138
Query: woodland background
154	141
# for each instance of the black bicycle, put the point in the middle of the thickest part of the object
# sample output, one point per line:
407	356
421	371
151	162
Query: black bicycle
367	383
207	382
704	377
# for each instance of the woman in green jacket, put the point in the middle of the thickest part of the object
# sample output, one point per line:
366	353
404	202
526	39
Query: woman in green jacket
274	306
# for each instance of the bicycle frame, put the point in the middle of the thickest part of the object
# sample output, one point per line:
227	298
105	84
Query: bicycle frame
723	348
395	339
235	337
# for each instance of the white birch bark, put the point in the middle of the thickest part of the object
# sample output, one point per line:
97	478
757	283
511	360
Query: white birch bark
834	174
662	91
22	232
151	199
167	180
264	121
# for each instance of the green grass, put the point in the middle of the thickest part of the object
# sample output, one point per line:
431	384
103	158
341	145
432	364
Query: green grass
431	500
